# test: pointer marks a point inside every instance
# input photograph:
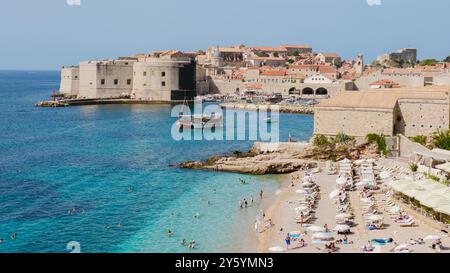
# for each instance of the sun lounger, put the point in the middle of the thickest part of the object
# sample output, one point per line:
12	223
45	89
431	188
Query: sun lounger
409	223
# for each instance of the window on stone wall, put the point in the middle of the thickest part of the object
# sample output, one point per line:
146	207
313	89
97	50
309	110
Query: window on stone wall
163	74
116	81
129	82
163	83
145	74
102	81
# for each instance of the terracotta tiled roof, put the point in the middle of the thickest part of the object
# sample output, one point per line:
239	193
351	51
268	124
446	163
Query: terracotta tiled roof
297	46
268	58
269	48
278	73
231	50
330	55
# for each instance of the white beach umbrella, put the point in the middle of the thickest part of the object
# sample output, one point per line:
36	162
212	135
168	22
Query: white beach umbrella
395	210
277	249
370	160
306	179
401	247
342	215
345	160
341	228
432	237
341	181
334	194
301	191
322	236
359	161
362	184
301	208
375	217
385	175
366	200
316	229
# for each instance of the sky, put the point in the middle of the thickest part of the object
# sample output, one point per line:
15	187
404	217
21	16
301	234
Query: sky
46	34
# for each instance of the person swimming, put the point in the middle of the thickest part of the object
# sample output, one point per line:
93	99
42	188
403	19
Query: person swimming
183	242
169	233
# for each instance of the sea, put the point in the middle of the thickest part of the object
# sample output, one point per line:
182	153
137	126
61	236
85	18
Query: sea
104	178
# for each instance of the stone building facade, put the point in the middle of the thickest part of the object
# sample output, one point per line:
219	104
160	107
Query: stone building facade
70	80
142	78
407	111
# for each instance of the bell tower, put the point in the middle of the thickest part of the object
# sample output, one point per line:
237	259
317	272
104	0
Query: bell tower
359	65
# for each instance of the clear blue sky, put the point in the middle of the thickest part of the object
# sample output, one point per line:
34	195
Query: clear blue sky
45	34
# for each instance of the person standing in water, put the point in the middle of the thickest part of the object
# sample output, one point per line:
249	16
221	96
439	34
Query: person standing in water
261	194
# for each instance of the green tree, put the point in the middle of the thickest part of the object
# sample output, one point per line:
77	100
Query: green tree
428	62
441	139
447	60
321	141
419	139
380	141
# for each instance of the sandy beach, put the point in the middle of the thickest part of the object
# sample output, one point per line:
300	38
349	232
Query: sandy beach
281	211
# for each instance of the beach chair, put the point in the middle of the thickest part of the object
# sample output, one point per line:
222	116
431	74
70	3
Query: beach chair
408	223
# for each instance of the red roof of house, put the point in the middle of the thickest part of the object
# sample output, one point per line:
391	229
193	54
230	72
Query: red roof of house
296	46
279	73
269	48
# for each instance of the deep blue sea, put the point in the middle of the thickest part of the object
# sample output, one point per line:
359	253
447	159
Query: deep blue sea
65	175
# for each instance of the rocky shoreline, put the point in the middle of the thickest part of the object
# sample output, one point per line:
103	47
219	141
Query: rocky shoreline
281	158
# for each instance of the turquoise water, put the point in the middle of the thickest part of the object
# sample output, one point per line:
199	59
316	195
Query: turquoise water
65	175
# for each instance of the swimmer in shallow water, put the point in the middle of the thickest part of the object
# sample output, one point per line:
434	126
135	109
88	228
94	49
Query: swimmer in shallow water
169	233
183	242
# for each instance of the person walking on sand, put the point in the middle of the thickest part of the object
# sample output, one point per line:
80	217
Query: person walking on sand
288	240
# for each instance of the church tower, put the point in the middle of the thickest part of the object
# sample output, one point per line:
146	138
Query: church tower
359	66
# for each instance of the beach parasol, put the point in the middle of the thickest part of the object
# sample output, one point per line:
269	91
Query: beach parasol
362	184
432	237
385	175
341	181
394	210
316	229
301	208
301	191
342	215
366	200
370	160
307	179
401	247
345	160
322	236
342	228
334	194
359	161
277	249
375	217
